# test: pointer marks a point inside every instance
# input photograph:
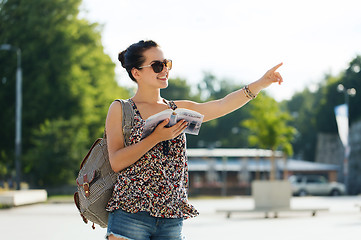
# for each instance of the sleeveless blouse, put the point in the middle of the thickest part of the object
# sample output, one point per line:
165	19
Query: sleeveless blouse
157	183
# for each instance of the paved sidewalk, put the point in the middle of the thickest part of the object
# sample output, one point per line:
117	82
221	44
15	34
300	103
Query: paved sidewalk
62	221
342	220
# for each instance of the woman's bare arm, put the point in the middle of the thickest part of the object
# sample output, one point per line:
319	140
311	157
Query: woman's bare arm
218	108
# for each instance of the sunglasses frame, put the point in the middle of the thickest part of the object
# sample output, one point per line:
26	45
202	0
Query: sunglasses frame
164	63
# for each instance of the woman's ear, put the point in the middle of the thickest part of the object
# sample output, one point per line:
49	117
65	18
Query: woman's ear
136	74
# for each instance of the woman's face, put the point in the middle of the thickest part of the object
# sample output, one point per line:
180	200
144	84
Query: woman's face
147	76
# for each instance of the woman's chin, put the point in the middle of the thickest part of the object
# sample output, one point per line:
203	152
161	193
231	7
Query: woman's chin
164	86
163	83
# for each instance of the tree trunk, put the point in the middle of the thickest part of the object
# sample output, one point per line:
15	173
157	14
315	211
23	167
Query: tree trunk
272	176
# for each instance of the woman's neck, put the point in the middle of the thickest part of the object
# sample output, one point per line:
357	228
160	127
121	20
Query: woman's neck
147	96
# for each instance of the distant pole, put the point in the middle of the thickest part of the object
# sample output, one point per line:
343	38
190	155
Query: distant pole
285	167
347	92
18	103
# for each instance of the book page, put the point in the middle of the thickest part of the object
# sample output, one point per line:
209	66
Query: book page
152	122
193	118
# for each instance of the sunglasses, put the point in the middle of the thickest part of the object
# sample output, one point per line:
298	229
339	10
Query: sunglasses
159	65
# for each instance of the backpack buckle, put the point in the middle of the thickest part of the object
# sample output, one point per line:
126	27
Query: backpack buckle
86	189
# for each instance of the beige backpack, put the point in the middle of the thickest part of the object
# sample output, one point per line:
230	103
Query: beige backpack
96	178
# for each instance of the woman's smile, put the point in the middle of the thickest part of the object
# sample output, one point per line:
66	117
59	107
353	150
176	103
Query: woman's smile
163	78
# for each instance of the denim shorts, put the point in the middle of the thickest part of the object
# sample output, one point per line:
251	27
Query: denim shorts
142	226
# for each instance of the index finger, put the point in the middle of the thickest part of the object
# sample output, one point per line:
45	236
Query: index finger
276	67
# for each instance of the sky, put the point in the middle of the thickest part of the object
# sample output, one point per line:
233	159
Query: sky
234	39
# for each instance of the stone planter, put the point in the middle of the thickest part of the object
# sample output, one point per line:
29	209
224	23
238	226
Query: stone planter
271	194
22	197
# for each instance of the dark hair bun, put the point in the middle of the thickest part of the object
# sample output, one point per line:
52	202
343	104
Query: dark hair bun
121	58
133	57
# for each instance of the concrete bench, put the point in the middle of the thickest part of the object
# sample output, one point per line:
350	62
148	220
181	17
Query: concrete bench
22	197
275	211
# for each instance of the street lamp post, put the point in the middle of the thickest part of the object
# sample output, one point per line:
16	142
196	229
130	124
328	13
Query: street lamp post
18	103
347	92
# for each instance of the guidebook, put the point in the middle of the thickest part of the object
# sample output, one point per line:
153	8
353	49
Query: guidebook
193	118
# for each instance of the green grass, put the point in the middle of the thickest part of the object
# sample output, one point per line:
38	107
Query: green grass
61	199
4	206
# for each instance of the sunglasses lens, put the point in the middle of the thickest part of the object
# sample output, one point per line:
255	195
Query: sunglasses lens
168	63
157	67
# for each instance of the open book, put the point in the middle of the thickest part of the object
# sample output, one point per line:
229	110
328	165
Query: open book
193	118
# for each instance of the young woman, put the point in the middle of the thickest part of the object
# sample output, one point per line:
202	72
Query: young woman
150	196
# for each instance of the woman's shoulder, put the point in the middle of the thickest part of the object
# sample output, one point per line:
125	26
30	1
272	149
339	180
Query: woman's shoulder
116	104
115	109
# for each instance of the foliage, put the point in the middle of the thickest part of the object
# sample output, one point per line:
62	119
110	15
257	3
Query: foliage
268	125
314	111
178	89
302	107
223	132
66	76
352	79
269	128
226	131
69	82
54	159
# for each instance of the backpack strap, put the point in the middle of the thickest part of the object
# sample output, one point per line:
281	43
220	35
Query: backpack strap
128	119
127	122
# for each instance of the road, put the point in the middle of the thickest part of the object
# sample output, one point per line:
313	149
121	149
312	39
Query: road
61	221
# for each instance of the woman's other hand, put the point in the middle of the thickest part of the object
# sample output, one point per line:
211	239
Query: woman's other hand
162	133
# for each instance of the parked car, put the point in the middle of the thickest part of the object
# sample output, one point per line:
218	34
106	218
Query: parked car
315	185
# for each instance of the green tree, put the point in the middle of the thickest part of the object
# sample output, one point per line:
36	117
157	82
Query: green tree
313	112
57	151
66	76
178	89
325	115
269	127
226	131
303	107
208	87
351	79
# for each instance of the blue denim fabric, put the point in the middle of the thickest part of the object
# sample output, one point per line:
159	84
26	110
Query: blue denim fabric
142	226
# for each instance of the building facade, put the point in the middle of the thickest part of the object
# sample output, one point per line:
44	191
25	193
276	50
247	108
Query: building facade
229	171
330	150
